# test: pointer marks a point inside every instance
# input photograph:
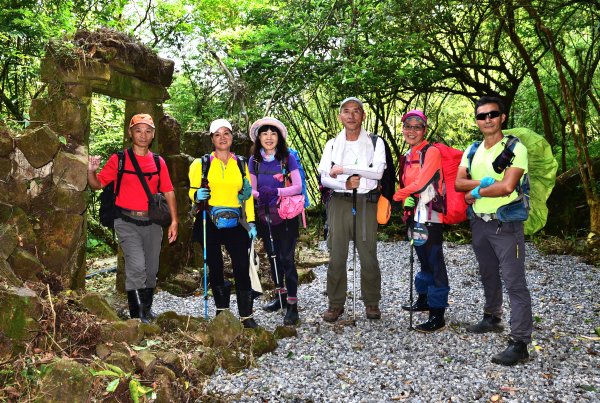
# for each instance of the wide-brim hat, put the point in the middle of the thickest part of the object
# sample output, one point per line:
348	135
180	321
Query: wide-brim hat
267	121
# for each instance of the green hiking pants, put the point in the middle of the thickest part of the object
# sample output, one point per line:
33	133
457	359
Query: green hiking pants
340	234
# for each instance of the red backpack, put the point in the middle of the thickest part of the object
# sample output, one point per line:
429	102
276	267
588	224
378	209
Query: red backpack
454	201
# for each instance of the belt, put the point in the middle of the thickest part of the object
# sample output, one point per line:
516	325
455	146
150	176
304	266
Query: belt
371	196
486	216
135	213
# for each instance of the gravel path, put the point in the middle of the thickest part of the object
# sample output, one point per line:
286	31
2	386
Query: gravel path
383	361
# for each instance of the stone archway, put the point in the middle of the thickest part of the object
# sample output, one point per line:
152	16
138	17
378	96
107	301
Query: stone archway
44	194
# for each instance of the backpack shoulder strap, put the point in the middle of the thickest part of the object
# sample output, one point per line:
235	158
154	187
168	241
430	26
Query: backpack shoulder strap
157	162
241	163
470	155
205	159
120	170
423	152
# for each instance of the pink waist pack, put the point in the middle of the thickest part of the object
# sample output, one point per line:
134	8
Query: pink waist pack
291	206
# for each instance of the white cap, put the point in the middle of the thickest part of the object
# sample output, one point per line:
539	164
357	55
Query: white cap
351	99
217	124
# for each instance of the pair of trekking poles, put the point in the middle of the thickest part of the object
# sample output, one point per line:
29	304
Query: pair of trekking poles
411	259
273	256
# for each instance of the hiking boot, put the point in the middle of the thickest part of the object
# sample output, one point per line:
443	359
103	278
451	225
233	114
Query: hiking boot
515	353
291	316
276	303
245	303
372	312
420	304
134	308
221	294
333	313
138	297
147	295
434	323
489	323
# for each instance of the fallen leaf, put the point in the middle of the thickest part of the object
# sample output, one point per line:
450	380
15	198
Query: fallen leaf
496	398
509	389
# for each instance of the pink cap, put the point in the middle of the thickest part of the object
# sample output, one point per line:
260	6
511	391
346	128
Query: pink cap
415	113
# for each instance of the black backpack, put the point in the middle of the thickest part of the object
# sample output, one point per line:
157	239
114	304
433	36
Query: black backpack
107	212
387	183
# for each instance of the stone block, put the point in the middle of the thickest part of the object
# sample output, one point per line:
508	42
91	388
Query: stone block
123	331
124	86
20	312
282	332
145	361
224	329
81	71
233	361
18	219
204	360
8	275
67	117
39	145
170	322
5	169
66	381
97	305
23	171
171	360
7	143
8	240
59	236
262	341
60	198
14	192
170	135
70	171
25	265
121	360
179	167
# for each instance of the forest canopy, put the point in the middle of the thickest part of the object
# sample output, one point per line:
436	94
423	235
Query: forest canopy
243	59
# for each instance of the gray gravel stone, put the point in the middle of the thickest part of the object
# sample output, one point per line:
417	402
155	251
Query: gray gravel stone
382	360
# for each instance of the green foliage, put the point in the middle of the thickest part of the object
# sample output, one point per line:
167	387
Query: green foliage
117	376
97	248
106	127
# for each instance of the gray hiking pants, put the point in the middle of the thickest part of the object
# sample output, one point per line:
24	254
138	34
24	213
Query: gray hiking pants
340	234
500	252
141	250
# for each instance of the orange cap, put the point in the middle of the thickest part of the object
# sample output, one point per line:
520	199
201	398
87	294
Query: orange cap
141	118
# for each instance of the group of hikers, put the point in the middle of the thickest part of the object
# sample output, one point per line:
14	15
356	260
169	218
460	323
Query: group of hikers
239	202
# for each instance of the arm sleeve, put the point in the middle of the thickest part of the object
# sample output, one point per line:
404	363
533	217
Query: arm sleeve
253	177
431	165
375	171
195	176
249	204
165	179
296	187
338	183
108	173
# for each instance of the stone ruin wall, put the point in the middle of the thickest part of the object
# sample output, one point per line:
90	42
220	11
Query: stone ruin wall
43	171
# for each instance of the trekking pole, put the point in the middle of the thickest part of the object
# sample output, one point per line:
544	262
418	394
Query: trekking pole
204	184
354	196
410	285
205	265
273	256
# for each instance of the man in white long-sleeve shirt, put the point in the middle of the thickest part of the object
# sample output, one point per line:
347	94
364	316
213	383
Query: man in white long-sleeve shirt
350	161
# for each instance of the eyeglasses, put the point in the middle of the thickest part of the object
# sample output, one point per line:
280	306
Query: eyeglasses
490	114
416	128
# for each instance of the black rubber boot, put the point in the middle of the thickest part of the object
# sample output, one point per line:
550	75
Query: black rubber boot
291	316
515	353
134	308
275	304
489	323
139	298
434	323
420	304
245	303
148	298
222	294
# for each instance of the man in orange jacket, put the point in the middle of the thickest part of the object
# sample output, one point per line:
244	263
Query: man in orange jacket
420	188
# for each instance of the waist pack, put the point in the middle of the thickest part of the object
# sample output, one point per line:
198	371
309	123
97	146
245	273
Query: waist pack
225	217
291	206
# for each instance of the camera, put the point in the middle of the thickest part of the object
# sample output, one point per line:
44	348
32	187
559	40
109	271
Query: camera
503	161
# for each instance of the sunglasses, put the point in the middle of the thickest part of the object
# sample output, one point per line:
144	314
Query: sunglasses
490	114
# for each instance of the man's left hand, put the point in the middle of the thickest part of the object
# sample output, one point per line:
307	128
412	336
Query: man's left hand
173	229
336	170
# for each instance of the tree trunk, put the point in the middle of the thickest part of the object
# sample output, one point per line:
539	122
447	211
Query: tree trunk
594	215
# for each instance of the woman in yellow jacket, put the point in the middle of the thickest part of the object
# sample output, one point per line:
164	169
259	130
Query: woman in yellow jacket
224	196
